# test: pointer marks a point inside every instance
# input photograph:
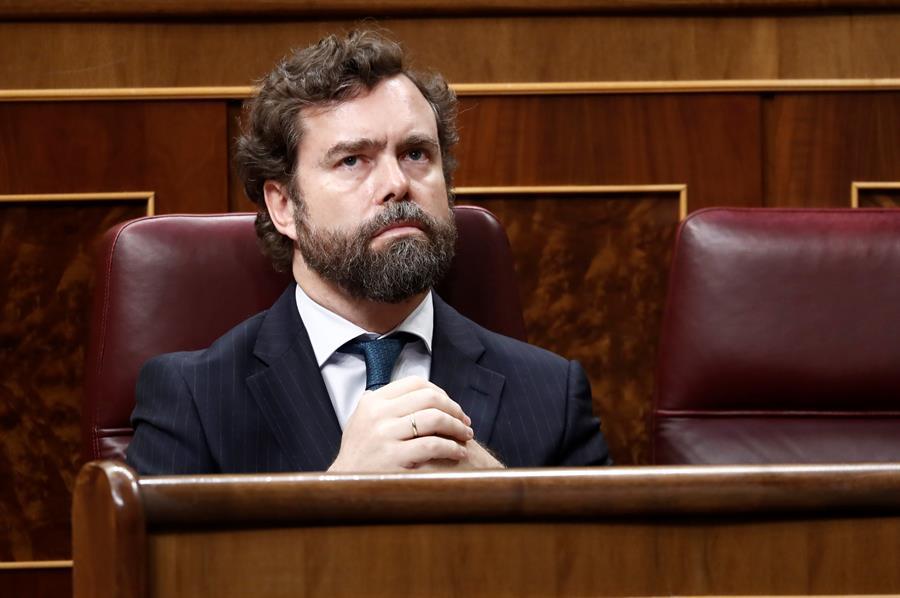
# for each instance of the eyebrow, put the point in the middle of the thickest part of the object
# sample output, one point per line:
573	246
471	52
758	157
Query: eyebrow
354	146
364	144
419	140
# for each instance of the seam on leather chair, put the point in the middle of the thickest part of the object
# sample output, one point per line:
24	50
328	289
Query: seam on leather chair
104	318
674	263
774	413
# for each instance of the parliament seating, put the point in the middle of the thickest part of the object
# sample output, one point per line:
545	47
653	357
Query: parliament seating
174	283
780	339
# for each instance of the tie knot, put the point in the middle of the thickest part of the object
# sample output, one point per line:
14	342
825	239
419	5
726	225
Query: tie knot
380	355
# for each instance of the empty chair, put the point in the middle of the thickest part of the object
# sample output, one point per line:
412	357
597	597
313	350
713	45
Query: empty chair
781	338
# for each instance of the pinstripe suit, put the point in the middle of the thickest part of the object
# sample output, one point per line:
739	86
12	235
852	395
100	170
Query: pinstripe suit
255	400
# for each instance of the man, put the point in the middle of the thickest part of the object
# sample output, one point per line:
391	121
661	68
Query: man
359	366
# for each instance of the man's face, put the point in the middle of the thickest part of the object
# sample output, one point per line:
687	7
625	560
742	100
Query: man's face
374	215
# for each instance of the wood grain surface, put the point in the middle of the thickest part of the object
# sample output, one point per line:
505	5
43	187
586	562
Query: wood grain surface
827	529
817	145
150	9
572	47
49	583
175	149
544	493
44	292
710	142
592	272
880	198
109	533
662	557
728	148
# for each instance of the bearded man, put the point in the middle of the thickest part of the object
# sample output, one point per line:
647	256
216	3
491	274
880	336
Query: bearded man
359	366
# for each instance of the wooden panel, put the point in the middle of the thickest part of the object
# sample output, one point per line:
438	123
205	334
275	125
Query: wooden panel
37	583
592	272
556	531
466	49
237	199
877	195
657	558
150	9
818	144
44	293
176	149
708	141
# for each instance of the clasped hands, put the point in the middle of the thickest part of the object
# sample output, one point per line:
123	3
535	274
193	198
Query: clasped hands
409	424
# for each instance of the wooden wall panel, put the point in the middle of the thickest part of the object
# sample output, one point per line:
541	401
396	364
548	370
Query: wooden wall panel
175	149
45	288
711	142
216	9
592	271
36	583
728	149
883	197
791	555
524	47
237	199
818	144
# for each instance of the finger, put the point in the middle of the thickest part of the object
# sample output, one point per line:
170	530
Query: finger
426	448
434	422
442	465
425	398
402	386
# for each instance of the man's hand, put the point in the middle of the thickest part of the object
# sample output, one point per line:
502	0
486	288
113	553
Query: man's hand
477	457
401	426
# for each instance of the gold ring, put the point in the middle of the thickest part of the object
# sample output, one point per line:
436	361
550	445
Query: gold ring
412	420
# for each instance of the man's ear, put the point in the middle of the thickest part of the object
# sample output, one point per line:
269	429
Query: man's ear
281	208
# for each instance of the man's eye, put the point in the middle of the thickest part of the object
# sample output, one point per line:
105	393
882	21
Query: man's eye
350	161
416	155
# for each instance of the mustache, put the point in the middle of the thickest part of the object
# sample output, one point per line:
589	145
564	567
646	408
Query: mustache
404	211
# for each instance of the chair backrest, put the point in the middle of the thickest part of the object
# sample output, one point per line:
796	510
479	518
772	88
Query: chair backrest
173	283
781	338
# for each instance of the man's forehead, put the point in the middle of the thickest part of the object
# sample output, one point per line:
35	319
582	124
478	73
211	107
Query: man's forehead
392	103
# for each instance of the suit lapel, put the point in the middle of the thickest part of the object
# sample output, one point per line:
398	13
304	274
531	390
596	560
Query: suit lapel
456	351
290	392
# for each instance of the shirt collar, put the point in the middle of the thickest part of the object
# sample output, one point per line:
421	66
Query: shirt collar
328	331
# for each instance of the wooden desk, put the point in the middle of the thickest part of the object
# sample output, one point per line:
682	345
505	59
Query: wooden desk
540	532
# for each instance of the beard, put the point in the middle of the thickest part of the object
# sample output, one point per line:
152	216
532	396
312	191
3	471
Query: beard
405	267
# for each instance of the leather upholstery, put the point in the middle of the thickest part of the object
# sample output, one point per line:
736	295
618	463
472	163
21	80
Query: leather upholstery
173	283
781	338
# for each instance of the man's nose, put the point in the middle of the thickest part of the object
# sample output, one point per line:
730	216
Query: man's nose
393	180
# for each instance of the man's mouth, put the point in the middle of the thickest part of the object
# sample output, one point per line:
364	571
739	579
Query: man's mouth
399	228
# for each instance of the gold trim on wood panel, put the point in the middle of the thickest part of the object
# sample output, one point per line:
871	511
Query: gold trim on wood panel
855	186
735	85
129	93
14	565
470	89
148	196
680	189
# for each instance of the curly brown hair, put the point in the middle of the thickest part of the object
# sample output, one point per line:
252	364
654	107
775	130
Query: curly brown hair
333	70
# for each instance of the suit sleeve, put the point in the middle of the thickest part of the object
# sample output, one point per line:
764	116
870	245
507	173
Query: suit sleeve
168	434
582	442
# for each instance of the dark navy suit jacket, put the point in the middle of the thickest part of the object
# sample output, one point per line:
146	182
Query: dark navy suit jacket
255	400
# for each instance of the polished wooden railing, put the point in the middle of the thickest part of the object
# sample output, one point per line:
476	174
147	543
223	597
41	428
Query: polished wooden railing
624	531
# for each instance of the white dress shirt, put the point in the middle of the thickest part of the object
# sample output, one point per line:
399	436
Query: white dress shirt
345	373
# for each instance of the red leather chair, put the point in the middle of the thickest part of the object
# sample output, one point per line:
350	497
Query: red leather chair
781	339
172	283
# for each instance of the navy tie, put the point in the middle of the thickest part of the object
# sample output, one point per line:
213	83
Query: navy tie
380	355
